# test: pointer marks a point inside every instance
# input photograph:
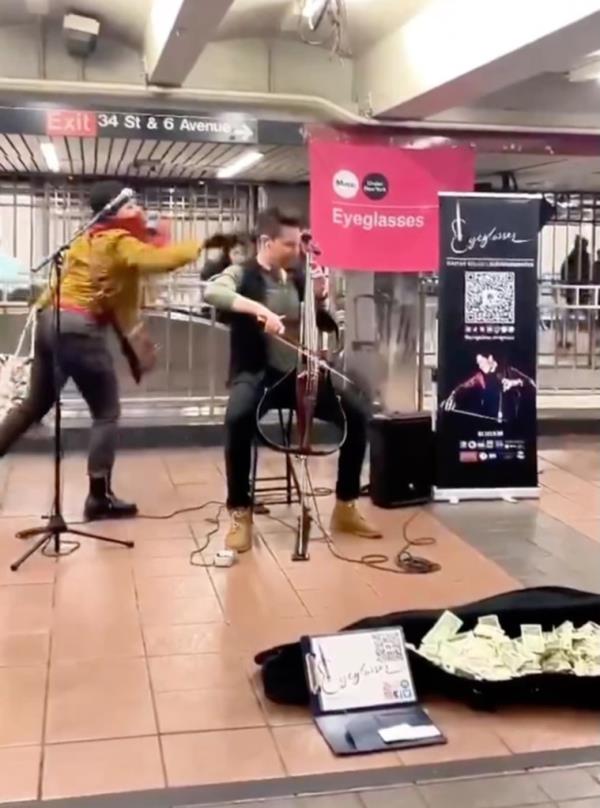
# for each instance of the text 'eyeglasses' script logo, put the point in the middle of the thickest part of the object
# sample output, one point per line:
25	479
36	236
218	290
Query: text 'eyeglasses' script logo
463	242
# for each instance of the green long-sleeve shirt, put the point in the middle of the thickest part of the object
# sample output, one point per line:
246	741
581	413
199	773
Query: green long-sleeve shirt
282	299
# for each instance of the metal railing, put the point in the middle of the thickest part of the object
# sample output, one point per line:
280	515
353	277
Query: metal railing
36	217
190	380
568	336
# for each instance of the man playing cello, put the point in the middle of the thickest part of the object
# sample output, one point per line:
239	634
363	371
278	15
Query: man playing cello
264	301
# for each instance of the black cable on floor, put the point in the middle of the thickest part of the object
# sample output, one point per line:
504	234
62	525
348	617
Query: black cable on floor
405	563
215	520
179	511
71	545
197	553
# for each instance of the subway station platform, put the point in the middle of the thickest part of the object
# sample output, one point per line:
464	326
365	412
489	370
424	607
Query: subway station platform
129	673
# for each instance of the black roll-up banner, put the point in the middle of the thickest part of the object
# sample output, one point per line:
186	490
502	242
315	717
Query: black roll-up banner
486	423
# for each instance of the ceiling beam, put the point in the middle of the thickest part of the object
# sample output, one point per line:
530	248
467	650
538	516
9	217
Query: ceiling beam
452	53
176	34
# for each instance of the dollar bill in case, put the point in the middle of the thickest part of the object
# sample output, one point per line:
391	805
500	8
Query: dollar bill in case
362	692
487	653
570	624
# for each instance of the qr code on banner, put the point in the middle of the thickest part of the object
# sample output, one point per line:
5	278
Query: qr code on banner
490	297
389	646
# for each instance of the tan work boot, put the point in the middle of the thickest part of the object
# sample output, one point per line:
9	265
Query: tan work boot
346	518
239	536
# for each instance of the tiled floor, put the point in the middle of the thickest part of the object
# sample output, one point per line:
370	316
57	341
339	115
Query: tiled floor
131	670
566	788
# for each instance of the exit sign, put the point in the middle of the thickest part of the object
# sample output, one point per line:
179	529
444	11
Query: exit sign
71	123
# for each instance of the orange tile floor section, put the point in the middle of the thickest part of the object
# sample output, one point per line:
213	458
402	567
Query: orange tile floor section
128	670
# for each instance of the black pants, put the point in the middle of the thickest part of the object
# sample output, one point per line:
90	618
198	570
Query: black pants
83	356
240	429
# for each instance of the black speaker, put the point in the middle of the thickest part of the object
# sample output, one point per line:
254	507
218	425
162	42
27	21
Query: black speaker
401	471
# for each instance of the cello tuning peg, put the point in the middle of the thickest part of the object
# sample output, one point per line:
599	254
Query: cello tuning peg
309	244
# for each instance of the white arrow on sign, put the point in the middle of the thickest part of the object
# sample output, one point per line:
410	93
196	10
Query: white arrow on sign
244	132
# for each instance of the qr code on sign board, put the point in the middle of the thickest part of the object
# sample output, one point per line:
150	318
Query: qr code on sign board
490	297
389	646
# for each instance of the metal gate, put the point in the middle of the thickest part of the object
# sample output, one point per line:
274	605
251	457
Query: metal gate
35	218
568	304
190	380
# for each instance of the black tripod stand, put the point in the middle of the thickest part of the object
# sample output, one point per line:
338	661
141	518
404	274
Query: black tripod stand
56	527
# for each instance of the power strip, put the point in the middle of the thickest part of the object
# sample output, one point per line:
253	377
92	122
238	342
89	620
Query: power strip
225	558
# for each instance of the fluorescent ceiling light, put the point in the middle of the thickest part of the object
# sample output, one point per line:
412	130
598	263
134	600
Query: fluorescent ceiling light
587	71
245	160
313	11
428	142
50	156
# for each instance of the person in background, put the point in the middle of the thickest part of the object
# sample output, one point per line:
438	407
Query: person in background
596	282
235	251
576	269
100	290
262	300
596	270
14	277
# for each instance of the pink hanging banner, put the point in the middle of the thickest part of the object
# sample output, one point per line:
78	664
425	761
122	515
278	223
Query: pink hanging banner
375	207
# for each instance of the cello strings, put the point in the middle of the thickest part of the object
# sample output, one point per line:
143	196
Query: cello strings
308	352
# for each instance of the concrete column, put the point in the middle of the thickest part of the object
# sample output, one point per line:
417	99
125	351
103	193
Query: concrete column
381	316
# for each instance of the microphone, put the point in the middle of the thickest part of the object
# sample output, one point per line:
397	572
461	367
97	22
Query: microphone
153	221
120	199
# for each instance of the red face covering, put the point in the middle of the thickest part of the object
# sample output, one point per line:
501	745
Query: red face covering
160	235
137	227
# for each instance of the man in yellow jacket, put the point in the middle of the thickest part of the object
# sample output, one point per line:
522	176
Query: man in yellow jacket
100	289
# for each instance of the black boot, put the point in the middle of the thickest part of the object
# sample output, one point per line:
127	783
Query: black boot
101	503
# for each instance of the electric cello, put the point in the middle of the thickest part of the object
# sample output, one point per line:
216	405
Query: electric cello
312	380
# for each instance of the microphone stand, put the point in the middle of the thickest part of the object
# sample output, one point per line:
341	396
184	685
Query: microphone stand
56	526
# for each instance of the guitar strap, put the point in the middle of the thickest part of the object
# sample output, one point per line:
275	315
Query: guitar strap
125	345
